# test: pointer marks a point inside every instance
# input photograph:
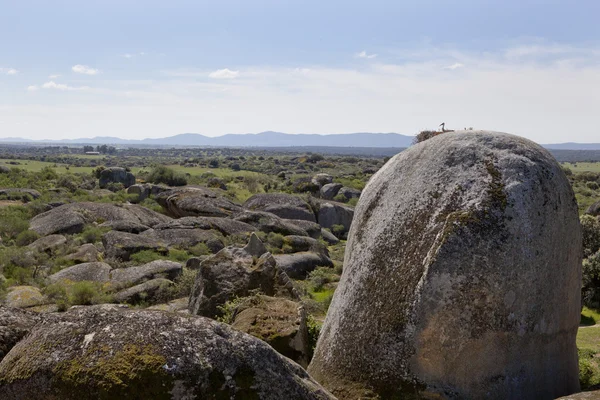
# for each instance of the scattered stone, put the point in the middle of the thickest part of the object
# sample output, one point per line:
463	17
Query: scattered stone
349	193
145	190
329	237
176	305
225	226
462	277
122	277
125	226
85	253
283	205
332	213
268	222
48	243
255	246
186	238
147	291
322	179
14	325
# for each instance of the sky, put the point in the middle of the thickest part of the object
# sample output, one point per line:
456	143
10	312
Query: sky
141	69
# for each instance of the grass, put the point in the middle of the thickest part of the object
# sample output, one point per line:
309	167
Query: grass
36	166
583	166
590	316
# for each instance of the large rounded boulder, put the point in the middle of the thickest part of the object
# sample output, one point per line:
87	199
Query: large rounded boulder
461	279
109	352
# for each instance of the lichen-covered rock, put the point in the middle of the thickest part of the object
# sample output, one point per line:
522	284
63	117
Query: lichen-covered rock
278	321
125	226
305	243
283	205
122	244
143	191
24	296
186	237
322	179
115	175
121	277
14	325
312	228
349	193
234	272
299	265
461	277
226	226
71	218
195	201
90	271
109	352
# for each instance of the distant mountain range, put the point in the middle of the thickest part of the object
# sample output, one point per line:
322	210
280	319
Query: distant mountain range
263	139
273	139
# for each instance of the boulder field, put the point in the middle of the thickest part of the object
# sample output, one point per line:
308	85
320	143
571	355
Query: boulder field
461	277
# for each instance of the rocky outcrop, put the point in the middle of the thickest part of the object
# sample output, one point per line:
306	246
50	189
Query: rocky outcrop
125	226
283	205
279	322
145	190
461	279
186	238
19	194
148	292
234	272
122	245
195	202
115	175
299	265
333	213
71	218
225	226
103	352
91	271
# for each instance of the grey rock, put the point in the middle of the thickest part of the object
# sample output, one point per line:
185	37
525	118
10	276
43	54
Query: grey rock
116	175
592	395
14	325
194	262
147	292
195	201
462	277
312	228
72	218
85	253
121	277
224	225
90	271
332	213
125	226
322	179
594	209
268	222
329	237
18	193
305	243
329	191
122	244
24	296
185	238
233	272
145	190
255	246
176	305
279	322
4	169
172	356
48	243
286	206
299	265
349	193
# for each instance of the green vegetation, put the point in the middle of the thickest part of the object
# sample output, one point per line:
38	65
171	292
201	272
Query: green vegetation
168	176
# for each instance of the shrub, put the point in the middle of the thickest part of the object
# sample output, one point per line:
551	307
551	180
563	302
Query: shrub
26	237
162	174
15	219
424	135
93	234
591	234
340	197
201	249
145	256
85	293
320	277
275	239
338	230
590	290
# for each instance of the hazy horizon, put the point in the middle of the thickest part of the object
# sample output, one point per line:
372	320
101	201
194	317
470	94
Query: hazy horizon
152	70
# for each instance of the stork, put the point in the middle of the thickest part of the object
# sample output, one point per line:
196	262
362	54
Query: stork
443	125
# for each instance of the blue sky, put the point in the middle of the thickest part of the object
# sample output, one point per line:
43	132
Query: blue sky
140	69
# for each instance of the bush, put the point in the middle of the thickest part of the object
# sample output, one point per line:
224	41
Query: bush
338	230
145	256
320	277
84	293
590	226
15	219
162	174
201	249
26	237
590	290
424	135
93	234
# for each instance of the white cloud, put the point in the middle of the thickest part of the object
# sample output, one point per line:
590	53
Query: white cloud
8	71
133	55
60	86
32	88
53	76
224	74
84	69
454	66
364	54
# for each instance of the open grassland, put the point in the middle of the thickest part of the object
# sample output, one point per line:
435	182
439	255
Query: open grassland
583	166
36	166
